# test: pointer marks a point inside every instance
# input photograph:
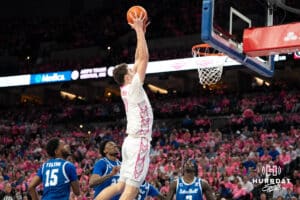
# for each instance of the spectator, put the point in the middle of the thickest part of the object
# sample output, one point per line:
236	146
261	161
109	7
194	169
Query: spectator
263	196
248	185
249	163
8	193
273	152
239	192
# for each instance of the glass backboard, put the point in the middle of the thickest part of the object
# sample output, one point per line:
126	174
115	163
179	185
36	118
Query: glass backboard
223	23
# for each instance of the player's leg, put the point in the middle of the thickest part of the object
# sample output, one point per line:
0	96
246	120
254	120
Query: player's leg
111	191
130	192
136	166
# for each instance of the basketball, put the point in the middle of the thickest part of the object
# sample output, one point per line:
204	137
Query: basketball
137	11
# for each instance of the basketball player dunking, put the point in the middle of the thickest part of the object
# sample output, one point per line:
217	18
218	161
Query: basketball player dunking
136	146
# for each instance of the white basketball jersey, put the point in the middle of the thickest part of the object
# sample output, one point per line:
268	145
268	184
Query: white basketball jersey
138	109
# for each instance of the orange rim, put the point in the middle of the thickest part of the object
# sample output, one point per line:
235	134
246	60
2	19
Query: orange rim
204	50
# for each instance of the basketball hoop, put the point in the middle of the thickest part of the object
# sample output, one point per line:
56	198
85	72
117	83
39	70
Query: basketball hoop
199	50
210	66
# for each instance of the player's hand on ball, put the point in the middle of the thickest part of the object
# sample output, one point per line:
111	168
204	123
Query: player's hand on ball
137	17
138	21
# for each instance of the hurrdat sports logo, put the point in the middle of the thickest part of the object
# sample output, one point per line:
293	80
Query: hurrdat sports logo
271	181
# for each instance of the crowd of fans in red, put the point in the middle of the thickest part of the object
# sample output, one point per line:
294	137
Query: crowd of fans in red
231	158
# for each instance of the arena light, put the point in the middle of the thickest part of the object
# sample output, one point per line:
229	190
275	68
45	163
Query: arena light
68	95
156	89
267	83
259	81
81	98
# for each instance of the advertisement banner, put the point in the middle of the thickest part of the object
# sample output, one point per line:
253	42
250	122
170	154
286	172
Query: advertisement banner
50	77
107	71
11	81
91	73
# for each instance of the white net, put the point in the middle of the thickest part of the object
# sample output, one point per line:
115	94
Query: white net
210	74
210	68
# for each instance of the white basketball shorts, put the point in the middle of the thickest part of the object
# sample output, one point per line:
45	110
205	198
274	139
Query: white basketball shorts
135	160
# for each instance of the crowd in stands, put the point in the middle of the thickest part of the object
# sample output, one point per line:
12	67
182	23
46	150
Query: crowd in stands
268	108
261	129
39	37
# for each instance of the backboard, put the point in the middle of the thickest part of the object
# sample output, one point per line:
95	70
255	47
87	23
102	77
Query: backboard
223	23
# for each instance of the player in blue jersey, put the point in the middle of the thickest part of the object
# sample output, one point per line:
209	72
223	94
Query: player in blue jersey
189	186
106	170
57	175
147	190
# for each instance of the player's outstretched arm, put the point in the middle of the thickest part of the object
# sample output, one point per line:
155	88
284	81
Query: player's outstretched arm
96	179
141	53
207	190
172	190
75	187
32	185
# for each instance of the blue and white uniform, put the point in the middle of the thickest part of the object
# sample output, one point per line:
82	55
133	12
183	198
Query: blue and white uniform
146	189
57	175
104	167
191	191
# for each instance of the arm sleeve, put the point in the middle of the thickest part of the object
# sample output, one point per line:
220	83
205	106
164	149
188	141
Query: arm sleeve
40	173
99	168
71	172
153	192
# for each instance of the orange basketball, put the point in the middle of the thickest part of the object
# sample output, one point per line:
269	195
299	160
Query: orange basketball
139	10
